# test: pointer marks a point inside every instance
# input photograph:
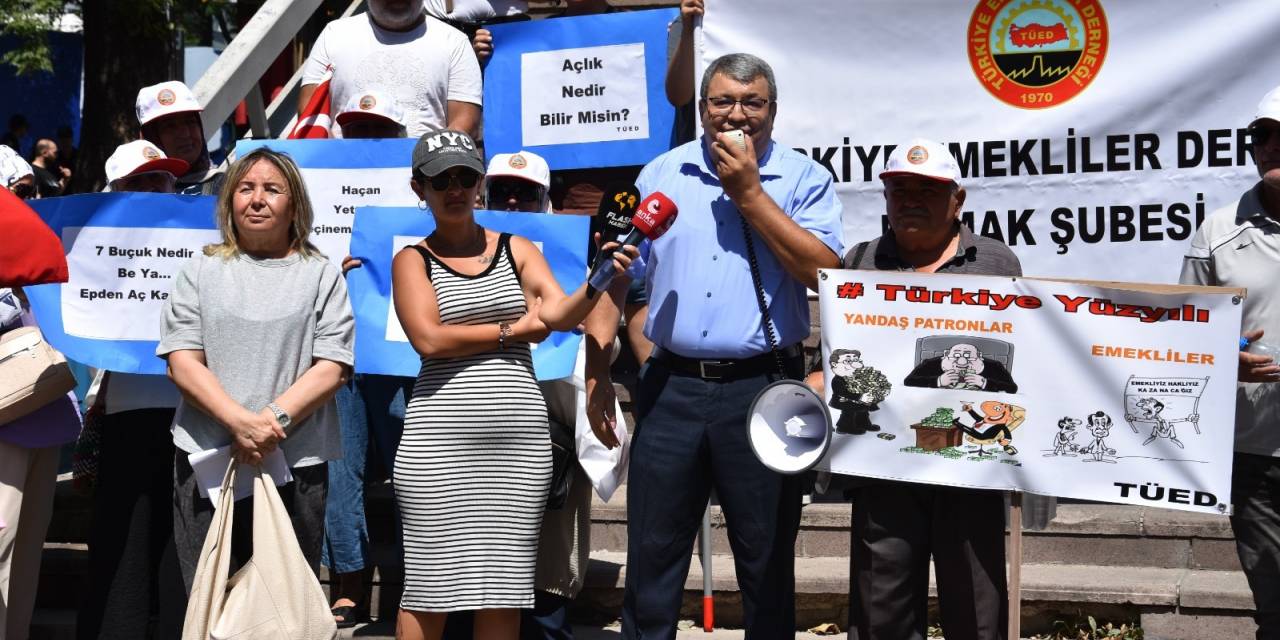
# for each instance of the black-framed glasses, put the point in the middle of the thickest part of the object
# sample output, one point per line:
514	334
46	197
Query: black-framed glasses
504	190
723	106
24	191
464	179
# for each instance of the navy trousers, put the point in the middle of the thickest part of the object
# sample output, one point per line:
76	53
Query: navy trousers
690	436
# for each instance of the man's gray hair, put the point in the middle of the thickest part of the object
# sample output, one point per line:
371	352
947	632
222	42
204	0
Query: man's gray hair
743	68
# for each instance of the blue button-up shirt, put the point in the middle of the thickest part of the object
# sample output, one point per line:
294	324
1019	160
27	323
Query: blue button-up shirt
702	302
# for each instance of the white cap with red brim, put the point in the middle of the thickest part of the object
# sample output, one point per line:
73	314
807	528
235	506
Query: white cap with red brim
141	156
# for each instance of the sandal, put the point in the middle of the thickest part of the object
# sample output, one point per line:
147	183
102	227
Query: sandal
348	615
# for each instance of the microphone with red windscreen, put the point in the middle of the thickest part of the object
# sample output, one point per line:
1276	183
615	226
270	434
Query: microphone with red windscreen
652	218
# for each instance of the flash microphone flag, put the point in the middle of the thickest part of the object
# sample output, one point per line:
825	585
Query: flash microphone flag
613	218
652	218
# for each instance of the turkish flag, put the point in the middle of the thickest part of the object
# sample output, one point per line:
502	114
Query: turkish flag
314	121
30	253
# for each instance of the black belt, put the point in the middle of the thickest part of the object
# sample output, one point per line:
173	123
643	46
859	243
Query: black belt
726	369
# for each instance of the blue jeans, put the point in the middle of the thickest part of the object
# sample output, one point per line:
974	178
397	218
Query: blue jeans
369	406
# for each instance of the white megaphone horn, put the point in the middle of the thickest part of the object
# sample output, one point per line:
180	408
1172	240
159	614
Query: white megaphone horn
789	427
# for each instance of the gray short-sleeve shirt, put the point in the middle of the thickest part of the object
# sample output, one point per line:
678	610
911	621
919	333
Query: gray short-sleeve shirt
261	323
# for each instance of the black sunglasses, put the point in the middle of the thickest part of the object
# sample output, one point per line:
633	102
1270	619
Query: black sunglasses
1259	135
24	191
465	179
523	191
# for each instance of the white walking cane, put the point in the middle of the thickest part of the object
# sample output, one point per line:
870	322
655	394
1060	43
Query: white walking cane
704	552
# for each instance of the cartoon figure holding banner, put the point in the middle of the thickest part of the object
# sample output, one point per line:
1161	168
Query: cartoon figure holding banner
1100	427
1150	410
856	390
1163	402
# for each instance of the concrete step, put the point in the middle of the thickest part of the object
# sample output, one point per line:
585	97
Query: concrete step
1096	534
1179	603
1171	599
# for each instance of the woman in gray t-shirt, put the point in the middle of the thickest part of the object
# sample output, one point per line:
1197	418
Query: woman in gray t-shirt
258	335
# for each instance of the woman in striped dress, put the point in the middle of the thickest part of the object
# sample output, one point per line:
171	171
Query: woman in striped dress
474	464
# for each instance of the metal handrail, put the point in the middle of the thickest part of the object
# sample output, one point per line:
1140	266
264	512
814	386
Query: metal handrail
281	113
236	72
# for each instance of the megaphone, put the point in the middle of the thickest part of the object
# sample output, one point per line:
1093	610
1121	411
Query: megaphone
789	427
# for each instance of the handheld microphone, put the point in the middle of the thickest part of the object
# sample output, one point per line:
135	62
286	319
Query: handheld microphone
613	217
652	218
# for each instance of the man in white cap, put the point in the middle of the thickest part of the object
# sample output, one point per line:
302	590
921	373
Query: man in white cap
898	525
518	182
425	64
141	166
372	114
169	115
1237	246
16	174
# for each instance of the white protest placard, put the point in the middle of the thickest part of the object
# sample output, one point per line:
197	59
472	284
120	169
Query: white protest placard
121	276
589	94
343	175
1059	388
1092	134
336	193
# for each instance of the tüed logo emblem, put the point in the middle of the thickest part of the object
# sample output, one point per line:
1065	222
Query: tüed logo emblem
517	162
150	153
1035	54
367	103
917	155
166	97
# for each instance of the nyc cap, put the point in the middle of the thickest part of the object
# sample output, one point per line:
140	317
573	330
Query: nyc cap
922	157
371	105
166	98
12	167
439	151
141	156
524	165
1269	108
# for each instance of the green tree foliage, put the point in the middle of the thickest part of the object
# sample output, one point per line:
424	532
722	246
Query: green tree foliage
29	21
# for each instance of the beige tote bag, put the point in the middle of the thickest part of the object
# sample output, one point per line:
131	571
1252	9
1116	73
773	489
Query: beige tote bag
32	373
274	595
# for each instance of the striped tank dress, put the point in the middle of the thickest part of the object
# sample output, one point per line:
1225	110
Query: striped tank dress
474	464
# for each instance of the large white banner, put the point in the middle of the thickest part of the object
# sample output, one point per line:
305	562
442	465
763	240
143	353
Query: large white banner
1057	388
1094	134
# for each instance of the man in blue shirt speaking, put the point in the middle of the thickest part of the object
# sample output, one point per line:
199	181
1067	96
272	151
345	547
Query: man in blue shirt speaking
746	204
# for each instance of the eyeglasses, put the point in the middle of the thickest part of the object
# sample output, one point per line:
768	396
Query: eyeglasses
464	180
24	191
521	190
723	106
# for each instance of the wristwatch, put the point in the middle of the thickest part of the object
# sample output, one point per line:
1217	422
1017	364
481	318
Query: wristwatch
281	417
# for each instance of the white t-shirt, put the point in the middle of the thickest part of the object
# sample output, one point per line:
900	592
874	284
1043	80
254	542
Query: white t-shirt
422	69
473	11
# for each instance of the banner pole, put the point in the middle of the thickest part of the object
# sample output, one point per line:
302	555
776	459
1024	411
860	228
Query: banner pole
1015	565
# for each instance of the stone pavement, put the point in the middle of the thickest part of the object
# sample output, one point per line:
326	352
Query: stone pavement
592	632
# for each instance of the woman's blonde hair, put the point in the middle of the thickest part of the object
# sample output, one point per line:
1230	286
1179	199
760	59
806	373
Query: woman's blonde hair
299	200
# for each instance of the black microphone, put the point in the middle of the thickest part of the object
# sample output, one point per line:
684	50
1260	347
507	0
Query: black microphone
613	217
652	218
